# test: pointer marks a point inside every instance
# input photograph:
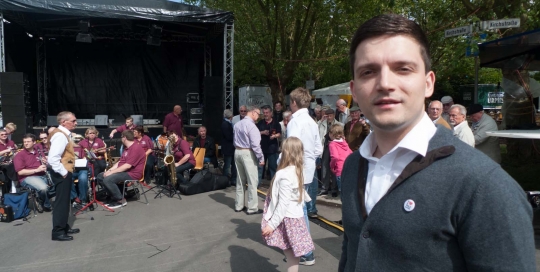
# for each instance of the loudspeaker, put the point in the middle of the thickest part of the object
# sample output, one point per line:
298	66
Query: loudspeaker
14	88
101	120
213	106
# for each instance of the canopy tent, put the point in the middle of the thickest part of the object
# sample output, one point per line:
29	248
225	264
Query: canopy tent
136	57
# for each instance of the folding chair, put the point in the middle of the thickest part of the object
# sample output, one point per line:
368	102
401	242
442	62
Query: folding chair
131	183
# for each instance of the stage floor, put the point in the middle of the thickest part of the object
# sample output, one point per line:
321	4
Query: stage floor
197	233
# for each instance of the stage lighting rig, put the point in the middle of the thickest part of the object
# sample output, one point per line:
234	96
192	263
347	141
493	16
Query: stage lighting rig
154	36
84	34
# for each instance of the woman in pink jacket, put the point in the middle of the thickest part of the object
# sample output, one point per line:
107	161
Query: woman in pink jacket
339	150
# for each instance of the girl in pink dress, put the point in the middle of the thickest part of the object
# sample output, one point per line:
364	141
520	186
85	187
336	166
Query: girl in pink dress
283	223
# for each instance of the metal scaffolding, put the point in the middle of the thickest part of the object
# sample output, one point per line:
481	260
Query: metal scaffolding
41	61
228	57
2	48
207	60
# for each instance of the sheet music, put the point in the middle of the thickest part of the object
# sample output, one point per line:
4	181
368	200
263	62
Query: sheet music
81	162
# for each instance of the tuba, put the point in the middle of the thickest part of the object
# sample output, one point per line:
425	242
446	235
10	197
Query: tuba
169	162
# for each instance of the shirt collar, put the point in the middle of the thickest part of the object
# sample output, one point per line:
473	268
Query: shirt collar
417	140
65	130
300	112
461	124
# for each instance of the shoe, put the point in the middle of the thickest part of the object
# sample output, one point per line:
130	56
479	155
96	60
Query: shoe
313	215
239	210
62	237
334	194
323	192
255	212
115	204
73	231
47	209
307	261
77	200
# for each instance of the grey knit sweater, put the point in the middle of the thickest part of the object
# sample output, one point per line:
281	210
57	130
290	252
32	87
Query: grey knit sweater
469	215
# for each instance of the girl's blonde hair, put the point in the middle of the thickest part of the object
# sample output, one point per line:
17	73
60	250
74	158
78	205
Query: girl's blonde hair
292	153
336	130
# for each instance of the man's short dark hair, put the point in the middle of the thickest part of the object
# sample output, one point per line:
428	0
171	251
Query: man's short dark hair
30	135
278	102
266	107
128	134
139	129
390	25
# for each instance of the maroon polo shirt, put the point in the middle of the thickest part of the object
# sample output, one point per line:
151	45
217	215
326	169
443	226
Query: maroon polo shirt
9	143
124	127
134	156
180	149
174	123
145	142
97	143
42	148
79	151
26	160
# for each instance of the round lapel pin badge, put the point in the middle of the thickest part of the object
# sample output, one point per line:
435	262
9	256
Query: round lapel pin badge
409	205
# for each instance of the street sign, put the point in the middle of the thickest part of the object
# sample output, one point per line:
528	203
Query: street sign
458	31
504	23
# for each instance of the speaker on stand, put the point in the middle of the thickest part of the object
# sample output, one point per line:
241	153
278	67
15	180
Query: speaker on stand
16	106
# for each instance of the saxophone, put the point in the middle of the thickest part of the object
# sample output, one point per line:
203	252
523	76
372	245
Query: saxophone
169	162
108	157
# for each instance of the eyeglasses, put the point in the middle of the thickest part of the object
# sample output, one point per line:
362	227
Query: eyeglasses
434	109
258	113
243	111
454	115
3	134
72	121
44	138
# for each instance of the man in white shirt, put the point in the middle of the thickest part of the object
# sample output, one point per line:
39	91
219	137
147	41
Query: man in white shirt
399	212
62	161
243	113
304	127
342	112
457	114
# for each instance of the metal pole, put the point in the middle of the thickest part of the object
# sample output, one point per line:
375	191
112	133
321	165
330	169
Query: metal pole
2	50
476	80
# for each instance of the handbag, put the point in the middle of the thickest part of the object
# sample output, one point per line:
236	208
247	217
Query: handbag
6	213
19	204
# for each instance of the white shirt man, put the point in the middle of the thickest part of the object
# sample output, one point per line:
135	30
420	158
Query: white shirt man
462	130
237	118
344	115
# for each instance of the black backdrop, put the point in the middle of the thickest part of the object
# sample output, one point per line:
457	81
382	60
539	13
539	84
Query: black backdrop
118	78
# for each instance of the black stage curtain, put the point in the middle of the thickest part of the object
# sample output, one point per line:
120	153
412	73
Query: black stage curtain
117	78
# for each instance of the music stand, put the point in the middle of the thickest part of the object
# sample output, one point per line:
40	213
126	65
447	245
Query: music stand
94	199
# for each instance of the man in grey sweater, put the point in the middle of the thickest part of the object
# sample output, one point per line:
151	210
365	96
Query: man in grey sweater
399	212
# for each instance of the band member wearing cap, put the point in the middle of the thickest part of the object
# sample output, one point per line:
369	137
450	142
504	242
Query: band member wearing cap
146	143
173	121
6	145
95	145
79	192
62	160
129	167
127	126
183	157
44	146
31	166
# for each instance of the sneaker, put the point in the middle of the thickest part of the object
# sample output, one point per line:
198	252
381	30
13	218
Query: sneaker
307	261
47	209
323	192
313	215
115	204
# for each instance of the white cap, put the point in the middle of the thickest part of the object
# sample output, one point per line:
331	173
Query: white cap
446	99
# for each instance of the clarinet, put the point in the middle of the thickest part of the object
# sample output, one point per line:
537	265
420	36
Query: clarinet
47	174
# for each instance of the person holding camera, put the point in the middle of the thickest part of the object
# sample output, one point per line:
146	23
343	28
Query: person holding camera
357	129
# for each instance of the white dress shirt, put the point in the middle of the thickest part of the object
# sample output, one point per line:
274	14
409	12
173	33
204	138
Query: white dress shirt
464	133
384	171
58	145
304	127
284	198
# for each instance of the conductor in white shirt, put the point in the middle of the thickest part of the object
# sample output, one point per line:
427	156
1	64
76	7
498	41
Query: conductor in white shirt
304	127
62	160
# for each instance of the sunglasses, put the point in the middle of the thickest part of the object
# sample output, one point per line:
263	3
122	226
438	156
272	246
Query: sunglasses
44	138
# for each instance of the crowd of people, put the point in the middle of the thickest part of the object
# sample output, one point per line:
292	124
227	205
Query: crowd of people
383	158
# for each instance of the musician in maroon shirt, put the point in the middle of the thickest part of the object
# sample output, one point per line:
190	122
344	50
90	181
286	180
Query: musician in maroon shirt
146	143
183	157
127	126
129	167
43	147
79	191
173	121
30	167
95	145
6	145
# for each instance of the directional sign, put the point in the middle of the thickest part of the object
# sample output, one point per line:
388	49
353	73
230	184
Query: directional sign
458	31
504	23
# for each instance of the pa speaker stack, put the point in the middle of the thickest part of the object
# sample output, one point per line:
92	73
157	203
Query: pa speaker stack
16	107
